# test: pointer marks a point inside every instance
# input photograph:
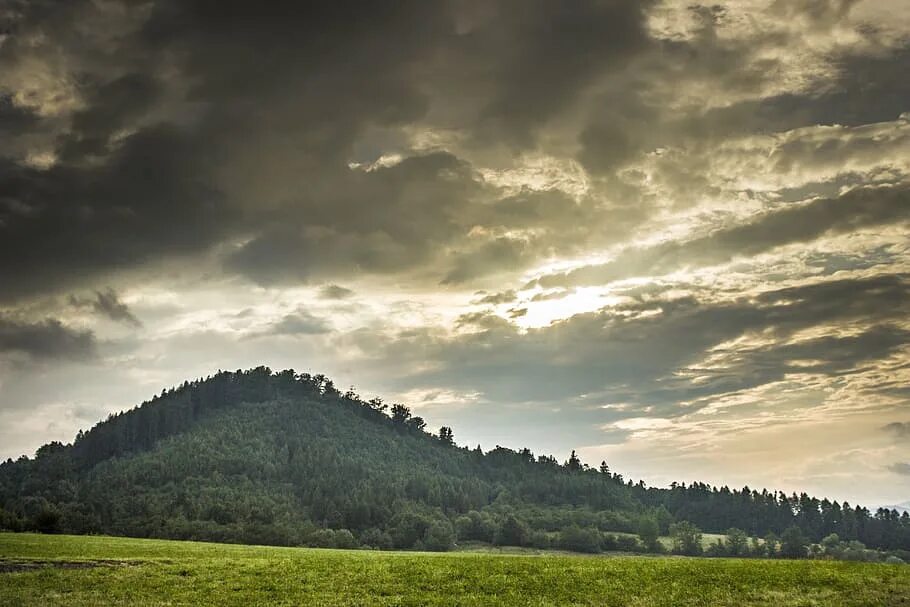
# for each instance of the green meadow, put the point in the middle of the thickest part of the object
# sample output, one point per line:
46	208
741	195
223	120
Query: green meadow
98	570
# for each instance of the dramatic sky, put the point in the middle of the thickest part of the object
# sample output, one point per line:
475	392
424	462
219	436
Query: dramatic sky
669	235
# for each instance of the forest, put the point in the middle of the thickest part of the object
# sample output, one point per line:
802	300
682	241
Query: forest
282	458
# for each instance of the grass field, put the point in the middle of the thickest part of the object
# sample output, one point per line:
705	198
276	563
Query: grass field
68	570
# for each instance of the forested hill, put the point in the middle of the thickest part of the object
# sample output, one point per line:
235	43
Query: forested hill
285	458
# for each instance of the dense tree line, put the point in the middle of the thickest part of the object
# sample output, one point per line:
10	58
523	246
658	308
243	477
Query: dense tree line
286	458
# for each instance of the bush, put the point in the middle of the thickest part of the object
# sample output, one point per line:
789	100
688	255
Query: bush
737	542
376	538
408	528
10	521
627	543
717	549
686	538
512	532
649	532
344	539
475	526
540	539
580	539
793	544
47	521
439	537
321	538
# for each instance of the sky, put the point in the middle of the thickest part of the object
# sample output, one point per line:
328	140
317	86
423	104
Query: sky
668	235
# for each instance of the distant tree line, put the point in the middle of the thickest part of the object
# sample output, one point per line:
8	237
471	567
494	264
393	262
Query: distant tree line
288	459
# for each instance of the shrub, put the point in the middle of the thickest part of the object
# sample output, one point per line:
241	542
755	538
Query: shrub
580	539
512	532
376	538
627	543
540	539
439	537
47	521
649	532
686	538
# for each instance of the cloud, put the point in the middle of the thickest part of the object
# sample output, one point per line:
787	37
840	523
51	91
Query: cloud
651	352
902	468
859	208
381	221
898	429
299	323
46	340
488	258
108	304
335	292
70	224
498	298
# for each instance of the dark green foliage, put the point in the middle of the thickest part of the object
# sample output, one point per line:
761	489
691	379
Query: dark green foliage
285	458
737	542
446	436
512	532
377	539
580	539
47	520
439	537
771	544
573	464
649	533
793	544
476	526
686	538
540	540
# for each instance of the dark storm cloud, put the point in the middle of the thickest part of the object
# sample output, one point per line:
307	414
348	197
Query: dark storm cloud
107	303
48	339
544	56
148	200
859	208
867	89
110	107
383	220
15	120
199	122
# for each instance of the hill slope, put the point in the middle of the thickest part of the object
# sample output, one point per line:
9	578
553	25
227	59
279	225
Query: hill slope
259	457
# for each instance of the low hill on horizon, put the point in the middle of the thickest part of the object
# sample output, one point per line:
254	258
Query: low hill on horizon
287	459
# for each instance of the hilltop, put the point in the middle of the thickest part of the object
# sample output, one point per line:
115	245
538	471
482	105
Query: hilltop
287	459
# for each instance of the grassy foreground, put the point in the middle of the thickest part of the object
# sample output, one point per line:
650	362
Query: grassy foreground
54	570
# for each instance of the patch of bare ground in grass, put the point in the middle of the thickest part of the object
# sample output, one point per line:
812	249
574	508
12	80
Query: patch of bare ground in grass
14	566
